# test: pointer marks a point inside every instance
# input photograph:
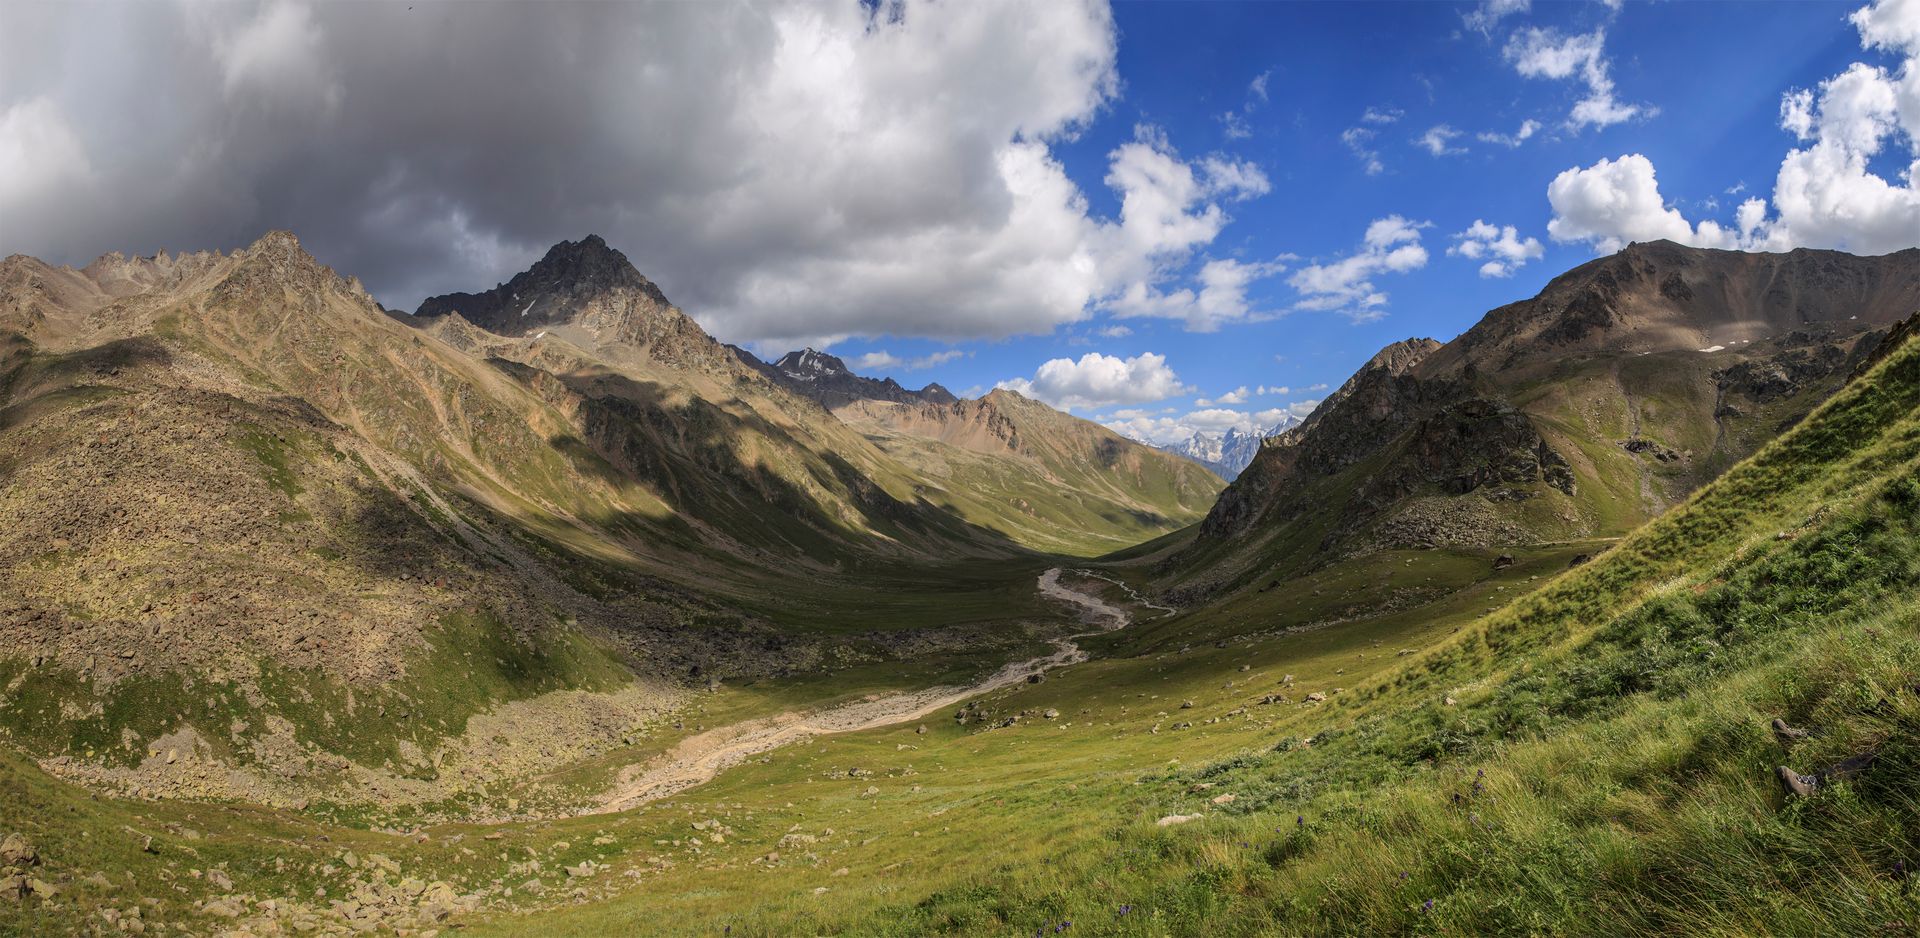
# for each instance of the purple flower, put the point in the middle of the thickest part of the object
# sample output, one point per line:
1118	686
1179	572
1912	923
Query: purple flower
1426	906
1126	909
1300	821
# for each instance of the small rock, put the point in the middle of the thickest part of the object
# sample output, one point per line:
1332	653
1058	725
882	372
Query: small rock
1051	714
224	908
1186	705
42	888
220	880
1223	799
1172	819
15	851
1316	697
922	731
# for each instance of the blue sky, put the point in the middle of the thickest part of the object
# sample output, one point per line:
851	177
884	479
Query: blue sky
1132	211
1713	72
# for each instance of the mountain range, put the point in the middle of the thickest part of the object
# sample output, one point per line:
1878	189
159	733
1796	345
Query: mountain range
321	617
1230	451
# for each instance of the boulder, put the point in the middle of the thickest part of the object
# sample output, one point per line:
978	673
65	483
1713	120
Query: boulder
16	852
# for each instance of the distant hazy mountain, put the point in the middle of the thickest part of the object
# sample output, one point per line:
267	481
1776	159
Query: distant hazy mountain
1228	453
828	380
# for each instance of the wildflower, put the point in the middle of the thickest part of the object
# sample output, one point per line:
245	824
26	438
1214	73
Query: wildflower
1403	876
1126	910
1300	821
1426	906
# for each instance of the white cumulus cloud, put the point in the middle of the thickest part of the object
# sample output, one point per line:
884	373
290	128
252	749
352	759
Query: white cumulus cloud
1098	380
1392	245
1825	194
1522	134
1501	248
1438	140
1483	18
1548	53
1617	201
1360	141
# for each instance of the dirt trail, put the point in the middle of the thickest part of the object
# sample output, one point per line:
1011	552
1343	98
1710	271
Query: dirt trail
698	759
1132	593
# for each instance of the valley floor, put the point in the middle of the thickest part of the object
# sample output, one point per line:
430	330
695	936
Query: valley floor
768	800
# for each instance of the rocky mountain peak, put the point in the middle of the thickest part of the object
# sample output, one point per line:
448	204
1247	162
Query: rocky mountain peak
827	379
588	264
276	261
1402	356
586	284
810	362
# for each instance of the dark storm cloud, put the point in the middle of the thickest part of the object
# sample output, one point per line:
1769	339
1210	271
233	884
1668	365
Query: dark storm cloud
785	172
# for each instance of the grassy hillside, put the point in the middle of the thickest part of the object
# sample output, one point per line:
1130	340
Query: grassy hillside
1051	480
